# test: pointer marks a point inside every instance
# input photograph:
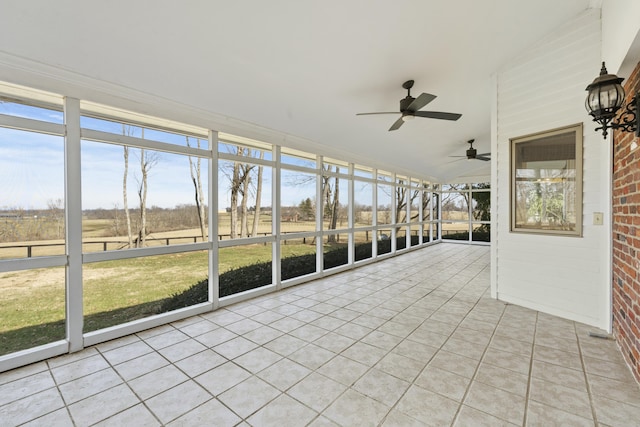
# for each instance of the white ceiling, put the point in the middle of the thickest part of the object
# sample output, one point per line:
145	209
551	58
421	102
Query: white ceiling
300	67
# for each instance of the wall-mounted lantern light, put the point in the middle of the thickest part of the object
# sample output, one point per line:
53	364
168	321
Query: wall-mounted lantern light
605	98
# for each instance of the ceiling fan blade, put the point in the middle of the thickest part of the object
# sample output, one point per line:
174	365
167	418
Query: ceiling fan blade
386	112
486	159
397	124
458	156
483	154
437	115
421	101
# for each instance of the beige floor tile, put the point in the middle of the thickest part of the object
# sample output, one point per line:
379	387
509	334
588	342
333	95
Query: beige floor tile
209	413
557	357
215	337
182	350
258	359
89	385
282	412
127	352
364	353
157	381
455	363
614	370
87	352
25	386
498	403
177	401
138	416
539	414
381	386
354	409
31	407
622	391
243	326
308	333
23	372
59	418
200	362
267	316
427	407
312	356
263	335
503	379
166	339
334	342
102	405
141	365
614	413
443	382
222	378
285	345
343	370
415	350
79	369
396	418
469	416
247	397
284	374
382	340
511	361
560	397
400	366
199	328
560	375
235	347
316	391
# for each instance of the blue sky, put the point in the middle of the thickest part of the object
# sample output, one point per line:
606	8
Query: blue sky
32	167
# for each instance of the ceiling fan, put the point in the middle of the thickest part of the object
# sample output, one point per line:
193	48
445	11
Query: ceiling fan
472	153
409	107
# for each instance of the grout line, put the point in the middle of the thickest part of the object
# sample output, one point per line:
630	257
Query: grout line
586	378
527	396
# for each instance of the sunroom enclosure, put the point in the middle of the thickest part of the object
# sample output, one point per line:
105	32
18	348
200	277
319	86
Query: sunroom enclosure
106	219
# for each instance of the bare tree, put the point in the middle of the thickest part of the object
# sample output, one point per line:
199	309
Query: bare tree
196	178
124	193
56	210
235	189
147	161
256	214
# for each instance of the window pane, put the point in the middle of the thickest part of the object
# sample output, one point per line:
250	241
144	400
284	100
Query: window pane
335	202
298	257
547	182
18	109
426	205
298	207
244	192
384	204
401	238
336	250
363	244
32	202
455	206
161	204
290	156
363	199
481	205
245	150
481	233
384	241
416	229
245	267
455	230
120	291
32	308
426	233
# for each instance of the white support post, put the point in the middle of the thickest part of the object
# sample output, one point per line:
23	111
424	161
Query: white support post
276	228
73	225
374	213
319	216
350	217
393	213
214	282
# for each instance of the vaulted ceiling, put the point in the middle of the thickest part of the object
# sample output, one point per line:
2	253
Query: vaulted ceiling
302	68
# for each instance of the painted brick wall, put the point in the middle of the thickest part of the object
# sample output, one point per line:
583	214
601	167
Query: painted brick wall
626	237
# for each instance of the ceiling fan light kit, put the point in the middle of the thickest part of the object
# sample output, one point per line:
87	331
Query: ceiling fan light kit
409	107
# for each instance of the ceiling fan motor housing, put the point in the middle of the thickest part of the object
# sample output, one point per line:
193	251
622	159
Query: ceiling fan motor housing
405	102
471	153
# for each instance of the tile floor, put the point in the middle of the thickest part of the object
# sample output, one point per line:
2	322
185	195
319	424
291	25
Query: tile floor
410	341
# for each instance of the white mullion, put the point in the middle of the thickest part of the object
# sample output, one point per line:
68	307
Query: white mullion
407	233
214	251
350	223
470	222
245	159
31	125
374	212
7	265
276	226
394	220
319	211
73	225
143	252
132	141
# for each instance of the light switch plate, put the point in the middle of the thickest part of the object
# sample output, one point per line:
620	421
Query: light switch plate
598	218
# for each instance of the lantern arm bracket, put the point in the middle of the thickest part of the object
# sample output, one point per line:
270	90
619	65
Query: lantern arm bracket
628	120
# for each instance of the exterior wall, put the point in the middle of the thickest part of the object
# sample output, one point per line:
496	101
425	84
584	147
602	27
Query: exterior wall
543	89
626	238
